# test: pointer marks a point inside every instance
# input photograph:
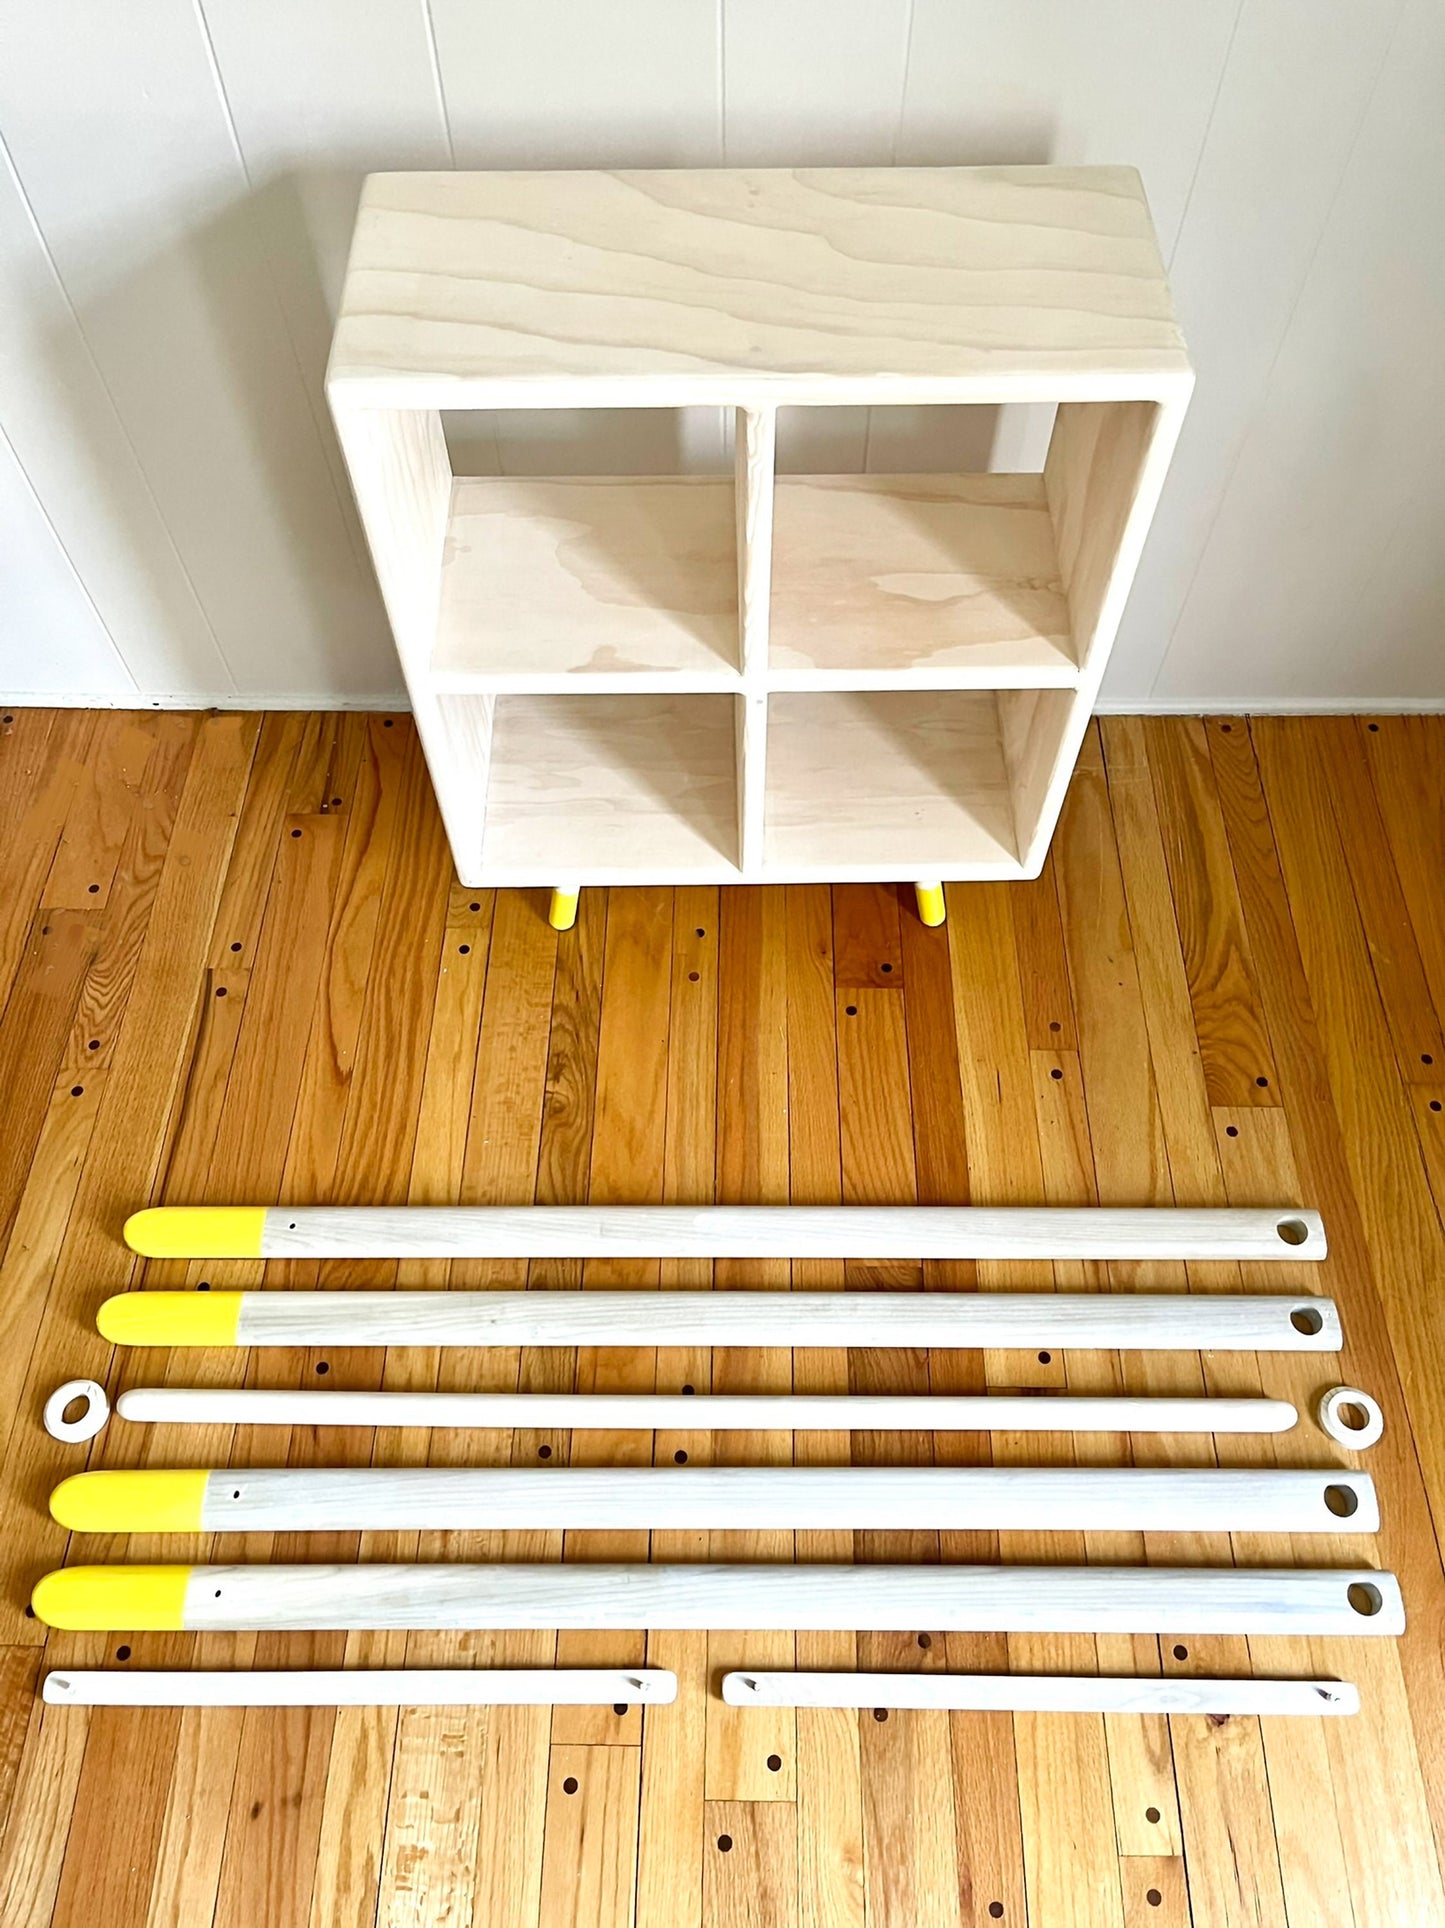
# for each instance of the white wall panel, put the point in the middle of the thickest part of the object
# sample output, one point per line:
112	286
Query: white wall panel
1279	143
64	433
1323	565
176	523
59	641
122	143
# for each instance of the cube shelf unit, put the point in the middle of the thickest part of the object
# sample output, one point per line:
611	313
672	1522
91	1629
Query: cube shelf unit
767	678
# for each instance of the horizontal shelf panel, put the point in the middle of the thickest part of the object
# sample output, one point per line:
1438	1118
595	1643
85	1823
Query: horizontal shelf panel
784	285
917	581
592	583
612	789
887	784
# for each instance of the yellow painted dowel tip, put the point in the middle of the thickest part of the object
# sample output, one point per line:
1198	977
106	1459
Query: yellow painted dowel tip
98	1599
931	908
197	1231
138	1501
562	912
171	1318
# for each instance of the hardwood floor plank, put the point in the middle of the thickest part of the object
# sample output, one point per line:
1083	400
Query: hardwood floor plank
501	1164
750	1861
1412	1018
910	1842
107	795
1404	755
1217	962
829	1766
589	1861
752	1165
628	1166
674	1753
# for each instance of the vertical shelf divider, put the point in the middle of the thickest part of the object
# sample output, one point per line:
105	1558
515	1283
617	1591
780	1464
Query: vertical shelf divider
756	461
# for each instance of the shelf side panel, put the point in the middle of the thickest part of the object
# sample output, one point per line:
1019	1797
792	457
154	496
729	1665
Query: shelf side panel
402	479
1105	468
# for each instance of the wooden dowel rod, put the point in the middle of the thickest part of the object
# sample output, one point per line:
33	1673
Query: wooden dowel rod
1002	1599
1118	1321
723	1231
974	1498
656	1412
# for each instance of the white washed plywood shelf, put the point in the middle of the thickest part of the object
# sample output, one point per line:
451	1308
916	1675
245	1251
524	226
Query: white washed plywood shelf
610	788
917	582
930	764
660	679
594	583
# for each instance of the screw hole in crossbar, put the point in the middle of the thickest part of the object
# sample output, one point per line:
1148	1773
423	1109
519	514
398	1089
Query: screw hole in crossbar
1342	1501
1306	1319
1293	1231
1365	1598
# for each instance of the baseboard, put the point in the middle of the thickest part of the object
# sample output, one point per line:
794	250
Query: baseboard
1136	706
1273	706
205	700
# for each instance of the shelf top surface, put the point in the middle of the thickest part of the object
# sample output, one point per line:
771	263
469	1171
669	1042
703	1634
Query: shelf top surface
755	286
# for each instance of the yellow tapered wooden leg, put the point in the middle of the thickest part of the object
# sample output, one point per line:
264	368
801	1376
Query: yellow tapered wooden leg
563	912
931	907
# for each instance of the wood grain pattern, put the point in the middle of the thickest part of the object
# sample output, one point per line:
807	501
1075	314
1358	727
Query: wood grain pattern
1147	1322
472	1078
986	1499
588	584
897	581
754	287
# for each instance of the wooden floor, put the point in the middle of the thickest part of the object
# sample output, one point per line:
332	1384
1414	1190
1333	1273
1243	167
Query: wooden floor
235	967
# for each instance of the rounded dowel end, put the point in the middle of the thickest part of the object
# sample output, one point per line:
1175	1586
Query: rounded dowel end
197	1231
97	1599
171	1318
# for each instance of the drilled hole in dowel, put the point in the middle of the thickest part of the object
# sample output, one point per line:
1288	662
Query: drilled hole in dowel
1365	1598
1306	1319
1342	1501
1293	1231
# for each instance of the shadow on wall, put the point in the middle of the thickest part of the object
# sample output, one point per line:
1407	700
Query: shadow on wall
231	497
